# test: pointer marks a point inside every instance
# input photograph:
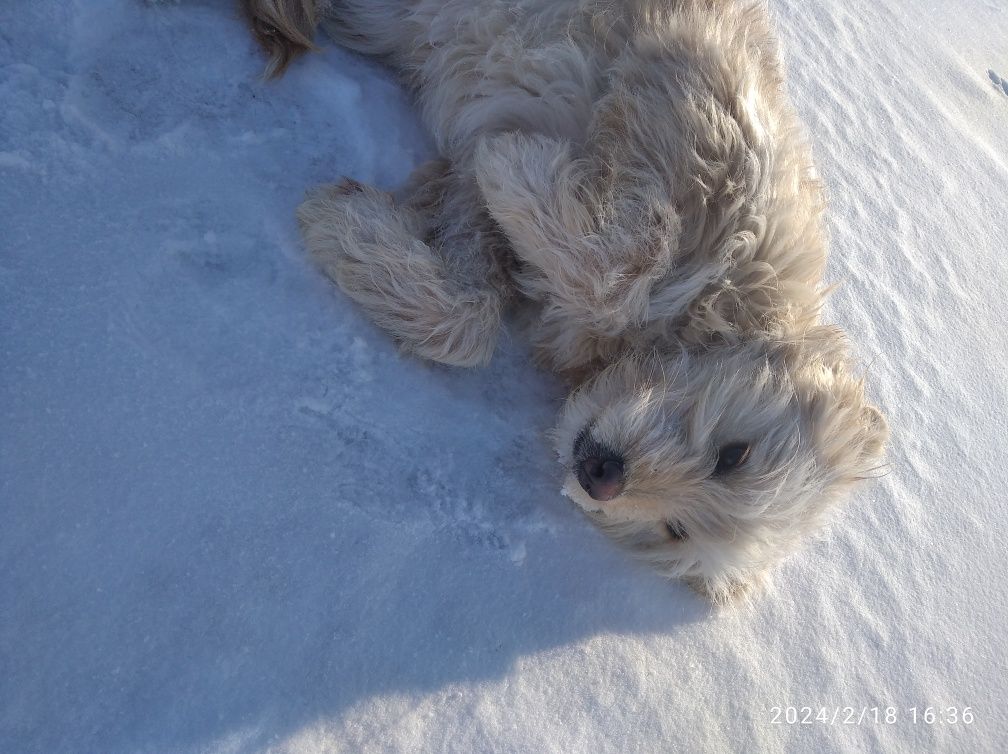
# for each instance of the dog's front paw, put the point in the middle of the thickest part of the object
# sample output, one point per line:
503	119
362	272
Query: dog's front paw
329	202
529	184
372	249
345	223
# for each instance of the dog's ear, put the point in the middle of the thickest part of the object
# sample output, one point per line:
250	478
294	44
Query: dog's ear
871	431
874	437
849	433
534	189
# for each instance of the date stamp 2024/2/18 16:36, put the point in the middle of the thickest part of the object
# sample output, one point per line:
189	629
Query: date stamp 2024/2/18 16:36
790	715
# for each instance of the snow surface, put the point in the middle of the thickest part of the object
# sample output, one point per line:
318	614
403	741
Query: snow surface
235	519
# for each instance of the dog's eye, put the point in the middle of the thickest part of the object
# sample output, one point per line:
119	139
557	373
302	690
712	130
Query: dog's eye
676	530
731	456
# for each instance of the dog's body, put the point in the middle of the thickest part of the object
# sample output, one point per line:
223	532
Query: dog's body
632	170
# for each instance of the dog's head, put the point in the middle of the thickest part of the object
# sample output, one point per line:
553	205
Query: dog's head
714	465
283	28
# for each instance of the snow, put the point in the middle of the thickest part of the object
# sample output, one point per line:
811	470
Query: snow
235	519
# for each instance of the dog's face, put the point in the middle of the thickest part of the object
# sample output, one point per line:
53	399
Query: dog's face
714	465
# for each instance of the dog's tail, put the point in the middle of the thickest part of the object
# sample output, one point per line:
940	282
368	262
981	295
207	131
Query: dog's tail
284	28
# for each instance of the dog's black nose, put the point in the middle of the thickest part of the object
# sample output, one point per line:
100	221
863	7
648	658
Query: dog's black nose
602	478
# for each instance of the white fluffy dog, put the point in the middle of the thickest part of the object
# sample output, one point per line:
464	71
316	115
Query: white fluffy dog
629	172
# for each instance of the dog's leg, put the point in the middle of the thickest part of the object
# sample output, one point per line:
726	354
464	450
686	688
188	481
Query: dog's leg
426	265
592	264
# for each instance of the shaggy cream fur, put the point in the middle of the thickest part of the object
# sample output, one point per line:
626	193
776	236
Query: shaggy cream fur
284	28
633	170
